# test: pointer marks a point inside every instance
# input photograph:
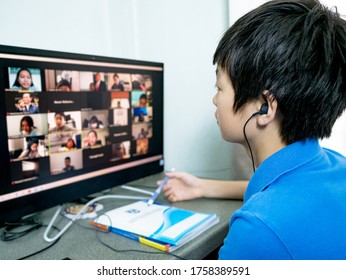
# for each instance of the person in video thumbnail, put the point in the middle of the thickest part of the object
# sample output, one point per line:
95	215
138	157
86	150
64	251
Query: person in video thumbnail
142	146
64	85
142	134
24	80
60	126
94	122
68	166
70	144
117	85
27	127
91	140
27	106
119	150
140	112
143	100
118	105
31	151
91	87
100	86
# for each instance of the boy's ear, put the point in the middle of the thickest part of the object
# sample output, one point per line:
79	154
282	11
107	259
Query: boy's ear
268	109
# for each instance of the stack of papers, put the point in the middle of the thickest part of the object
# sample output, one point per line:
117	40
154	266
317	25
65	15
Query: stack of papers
161	226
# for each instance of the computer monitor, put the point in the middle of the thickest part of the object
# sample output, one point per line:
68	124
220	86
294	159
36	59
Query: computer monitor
70	126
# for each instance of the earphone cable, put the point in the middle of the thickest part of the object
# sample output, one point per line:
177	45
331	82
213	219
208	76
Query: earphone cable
247	141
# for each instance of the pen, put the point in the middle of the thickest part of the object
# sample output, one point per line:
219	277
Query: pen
157	191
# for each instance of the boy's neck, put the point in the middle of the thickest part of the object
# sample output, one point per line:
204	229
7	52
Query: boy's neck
265	146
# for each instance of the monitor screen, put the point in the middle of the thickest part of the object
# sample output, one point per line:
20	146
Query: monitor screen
73	125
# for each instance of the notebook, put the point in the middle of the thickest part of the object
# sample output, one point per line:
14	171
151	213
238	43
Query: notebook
161	224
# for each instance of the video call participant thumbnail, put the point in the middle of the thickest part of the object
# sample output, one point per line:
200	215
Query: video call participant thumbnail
31	151
27	127
121	150
68	167
91	140
117	83
23	80
66	101
99	84
26	104
97	156
60	124
141	146
60	163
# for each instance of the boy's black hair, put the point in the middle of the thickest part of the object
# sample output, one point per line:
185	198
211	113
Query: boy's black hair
297	51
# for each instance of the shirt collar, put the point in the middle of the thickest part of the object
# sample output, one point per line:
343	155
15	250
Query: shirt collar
281	162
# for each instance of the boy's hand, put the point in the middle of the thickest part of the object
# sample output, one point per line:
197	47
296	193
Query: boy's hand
181	186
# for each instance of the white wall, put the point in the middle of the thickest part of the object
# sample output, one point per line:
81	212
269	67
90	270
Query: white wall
72	26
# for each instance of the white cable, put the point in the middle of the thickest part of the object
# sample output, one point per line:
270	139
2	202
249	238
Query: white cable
61	232
136	189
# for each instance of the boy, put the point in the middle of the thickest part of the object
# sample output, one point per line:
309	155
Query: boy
281	73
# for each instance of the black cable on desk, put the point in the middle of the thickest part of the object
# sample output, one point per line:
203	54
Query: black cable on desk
11	232
44	249
96	230
133	250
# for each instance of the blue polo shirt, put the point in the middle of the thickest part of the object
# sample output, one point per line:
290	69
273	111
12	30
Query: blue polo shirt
294	207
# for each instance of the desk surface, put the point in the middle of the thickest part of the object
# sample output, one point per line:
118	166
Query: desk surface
82	242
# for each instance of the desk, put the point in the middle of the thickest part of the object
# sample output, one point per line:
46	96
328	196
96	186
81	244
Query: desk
80	241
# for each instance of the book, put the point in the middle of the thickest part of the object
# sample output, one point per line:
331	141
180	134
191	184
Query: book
146	241
160	226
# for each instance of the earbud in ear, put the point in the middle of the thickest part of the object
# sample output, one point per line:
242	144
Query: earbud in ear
264	109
